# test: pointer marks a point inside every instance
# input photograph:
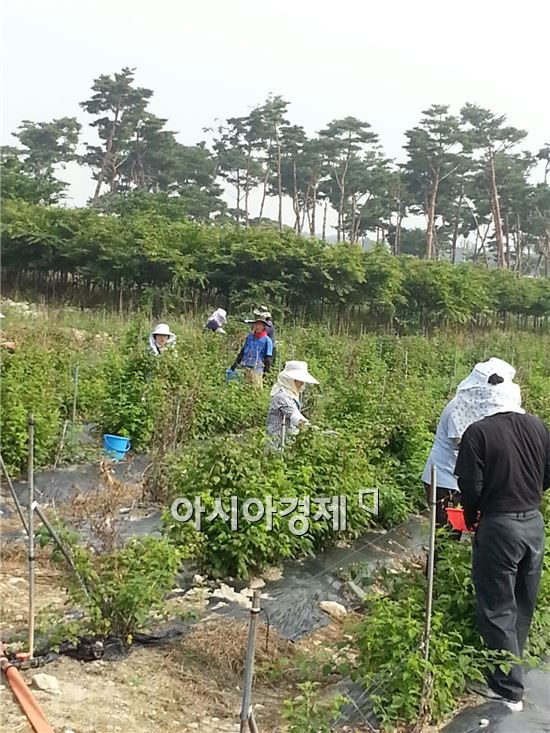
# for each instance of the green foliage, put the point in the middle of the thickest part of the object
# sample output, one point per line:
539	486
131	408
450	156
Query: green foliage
150	247
34	379
125	586
316	466
387	645
308	712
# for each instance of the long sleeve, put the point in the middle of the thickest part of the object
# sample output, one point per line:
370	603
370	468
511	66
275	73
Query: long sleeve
469	470
546	484
238	358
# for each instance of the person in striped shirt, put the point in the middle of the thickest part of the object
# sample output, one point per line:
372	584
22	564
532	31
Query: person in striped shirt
284	416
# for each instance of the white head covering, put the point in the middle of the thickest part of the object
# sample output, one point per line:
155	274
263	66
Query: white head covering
294	370
476	398
161	329
220	316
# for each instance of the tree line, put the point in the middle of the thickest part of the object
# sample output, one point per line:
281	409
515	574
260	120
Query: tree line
464	172
88	258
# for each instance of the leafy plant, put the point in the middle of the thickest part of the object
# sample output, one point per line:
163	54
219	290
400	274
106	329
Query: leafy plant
387	643
308	712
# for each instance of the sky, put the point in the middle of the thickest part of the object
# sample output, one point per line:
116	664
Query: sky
383	61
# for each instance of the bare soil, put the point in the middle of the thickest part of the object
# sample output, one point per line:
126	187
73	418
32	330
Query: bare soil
193	684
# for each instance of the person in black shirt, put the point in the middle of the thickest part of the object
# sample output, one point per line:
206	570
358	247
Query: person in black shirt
503	466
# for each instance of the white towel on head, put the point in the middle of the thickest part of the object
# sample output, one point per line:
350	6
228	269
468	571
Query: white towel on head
476	398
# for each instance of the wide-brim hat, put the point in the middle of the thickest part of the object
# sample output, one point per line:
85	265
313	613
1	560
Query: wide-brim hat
261	318
298	370
162	329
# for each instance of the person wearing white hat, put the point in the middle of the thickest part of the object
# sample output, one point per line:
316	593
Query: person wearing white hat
217	321
161	338
488	389
284	416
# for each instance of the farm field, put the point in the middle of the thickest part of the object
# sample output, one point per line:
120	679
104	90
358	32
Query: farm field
201	436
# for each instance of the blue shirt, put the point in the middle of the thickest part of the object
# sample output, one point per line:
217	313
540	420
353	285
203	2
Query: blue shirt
255	350
444	452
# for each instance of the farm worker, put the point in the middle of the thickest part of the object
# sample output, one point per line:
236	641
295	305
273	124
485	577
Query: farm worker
473	401
217	321
161	338
503	467
256	353
284	416
263	312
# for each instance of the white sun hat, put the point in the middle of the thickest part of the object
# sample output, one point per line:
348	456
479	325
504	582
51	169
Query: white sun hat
162	329
298	370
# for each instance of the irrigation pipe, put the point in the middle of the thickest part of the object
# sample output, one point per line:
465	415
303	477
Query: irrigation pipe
31	534
14	495
247	716
25	698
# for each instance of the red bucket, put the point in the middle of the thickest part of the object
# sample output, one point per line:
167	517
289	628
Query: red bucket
456	518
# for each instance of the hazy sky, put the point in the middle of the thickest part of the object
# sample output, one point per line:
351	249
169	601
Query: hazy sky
381	61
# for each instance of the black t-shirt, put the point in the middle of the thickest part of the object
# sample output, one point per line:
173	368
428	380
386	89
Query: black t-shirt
504	463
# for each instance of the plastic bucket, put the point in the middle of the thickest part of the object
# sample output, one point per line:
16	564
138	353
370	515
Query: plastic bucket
231	375
116	446
455	516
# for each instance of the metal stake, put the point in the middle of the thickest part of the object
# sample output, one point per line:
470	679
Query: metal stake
75	392
30	520
14	495
247	716
55	538
431	559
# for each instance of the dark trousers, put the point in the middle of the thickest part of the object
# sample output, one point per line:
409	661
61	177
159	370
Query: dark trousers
506	569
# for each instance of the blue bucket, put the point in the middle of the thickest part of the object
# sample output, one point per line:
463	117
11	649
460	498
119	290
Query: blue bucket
231	375
116	446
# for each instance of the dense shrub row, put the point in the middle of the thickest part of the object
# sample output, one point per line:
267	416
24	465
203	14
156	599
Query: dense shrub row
91	257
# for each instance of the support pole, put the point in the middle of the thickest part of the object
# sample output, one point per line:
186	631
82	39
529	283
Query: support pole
30	520
75	392
14	495
247	716
431	561
61	547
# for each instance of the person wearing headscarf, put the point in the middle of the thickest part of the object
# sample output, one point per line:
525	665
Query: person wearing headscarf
256	354
161	338
503	468
487	389
217	321
284	416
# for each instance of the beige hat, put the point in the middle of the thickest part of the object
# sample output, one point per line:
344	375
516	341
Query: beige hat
162	329
298	370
